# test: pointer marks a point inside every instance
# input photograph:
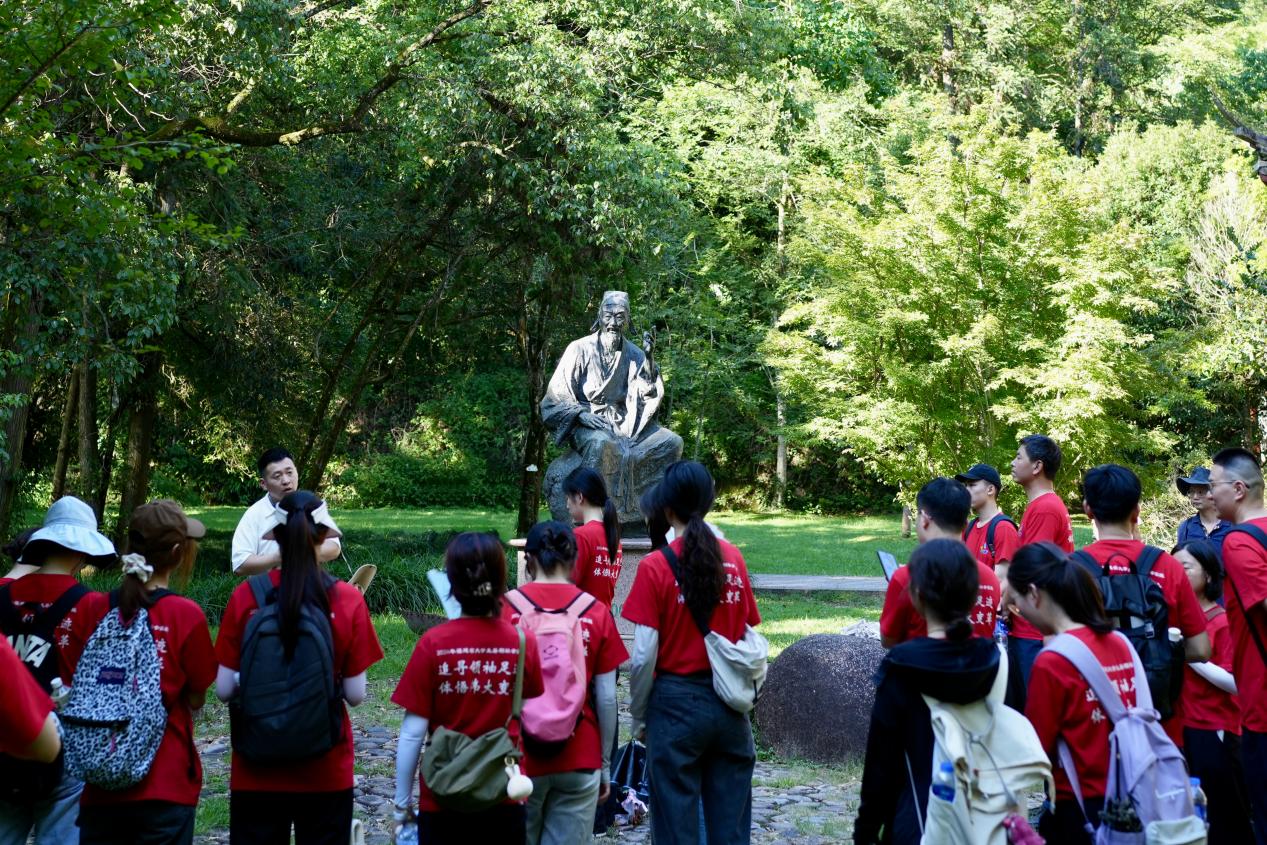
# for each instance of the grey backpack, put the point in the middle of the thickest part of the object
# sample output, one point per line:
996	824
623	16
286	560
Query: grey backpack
288	707
1148	798
114	719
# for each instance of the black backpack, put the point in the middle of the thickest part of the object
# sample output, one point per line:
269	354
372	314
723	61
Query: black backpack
989	533
286	709
33	634
1136	603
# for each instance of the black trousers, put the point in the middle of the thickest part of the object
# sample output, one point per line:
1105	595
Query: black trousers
265	818
505	824
1067	825
137	823
1218	763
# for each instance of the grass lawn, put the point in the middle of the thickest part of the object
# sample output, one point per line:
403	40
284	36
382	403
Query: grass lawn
772	543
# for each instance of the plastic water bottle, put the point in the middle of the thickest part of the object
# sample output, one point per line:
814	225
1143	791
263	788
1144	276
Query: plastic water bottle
59	692
1000	632
944	782
1199	803
407	834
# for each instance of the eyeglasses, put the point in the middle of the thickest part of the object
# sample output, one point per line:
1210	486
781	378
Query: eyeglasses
1233	481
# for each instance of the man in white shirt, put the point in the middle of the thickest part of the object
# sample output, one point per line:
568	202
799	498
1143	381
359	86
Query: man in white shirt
253	554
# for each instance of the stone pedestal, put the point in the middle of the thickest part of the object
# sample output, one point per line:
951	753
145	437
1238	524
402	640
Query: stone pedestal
634	549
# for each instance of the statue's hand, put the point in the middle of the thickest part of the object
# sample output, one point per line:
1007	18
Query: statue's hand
592	420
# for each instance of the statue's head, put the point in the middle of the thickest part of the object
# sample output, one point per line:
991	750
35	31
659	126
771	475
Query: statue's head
613	315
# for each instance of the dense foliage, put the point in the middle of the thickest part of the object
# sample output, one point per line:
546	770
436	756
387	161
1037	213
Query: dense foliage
876	240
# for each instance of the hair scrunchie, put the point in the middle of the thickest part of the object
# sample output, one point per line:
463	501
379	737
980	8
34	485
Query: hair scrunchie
136	566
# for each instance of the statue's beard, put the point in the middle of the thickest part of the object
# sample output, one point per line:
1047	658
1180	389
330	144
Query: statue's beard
610	339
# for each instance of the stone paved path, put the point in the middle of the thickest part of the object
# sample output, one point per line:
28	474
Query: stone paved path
788	805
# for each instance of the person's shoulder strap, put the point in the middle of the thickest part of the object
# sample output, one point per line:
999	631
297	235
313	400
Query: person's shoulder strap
1147	558
8	613
262	589
992	527
1261	538
671	558
967	532
675	565
65	602
1086	560
1253	531
516	599
579	606
517	702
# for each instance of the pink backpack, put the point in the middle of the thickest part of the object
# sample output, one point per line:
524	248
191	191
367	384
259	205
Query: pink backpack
549	720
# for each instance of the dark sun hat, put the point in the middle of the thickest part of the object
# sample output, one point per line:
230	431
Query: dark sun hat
1199	476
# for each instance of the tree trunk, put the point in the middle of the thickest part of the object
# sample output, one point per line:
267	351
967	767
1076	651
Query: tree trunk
141	421
906	520
107	463
17	382
780	451
69	416
312	475
948	66
534	455
534	340
1080	75
14	439
89	457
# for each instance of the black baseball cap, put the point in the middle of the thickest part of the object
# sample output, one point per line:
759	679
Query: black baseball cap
981	472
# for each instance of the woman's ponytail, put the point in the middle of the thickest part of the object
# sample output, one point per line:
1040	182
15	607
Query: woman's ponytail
611	528
302	579
688	492
589	485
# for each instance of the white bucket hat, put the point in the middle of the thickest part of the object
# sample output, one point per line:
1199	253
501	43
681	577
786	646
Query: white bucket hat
71	524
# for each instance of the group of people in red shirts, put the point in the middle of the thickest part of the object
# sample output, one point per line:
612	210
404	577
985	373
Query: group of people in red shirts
1031	577
461	675
700	753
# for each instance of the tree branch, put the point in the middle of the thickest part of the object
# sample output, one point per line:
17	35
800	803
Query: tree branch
218	127
44	67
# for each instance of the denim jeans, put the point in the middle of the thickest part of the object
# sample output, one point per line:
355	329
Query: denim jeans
698	749
1024	653
137	823
53	819
561	809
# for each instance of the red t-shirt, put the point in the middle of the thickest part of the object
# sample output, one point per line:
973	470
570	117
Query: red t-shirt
1046	520
24	707
1246	563
1184	610
654	601
462	676
595	573
356	648
1006	541
1205	706
1061	705
40	590
604	651
900	621
188	666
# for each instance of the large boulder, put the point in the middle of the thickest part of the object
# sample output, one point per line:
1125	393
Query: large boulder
816	703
